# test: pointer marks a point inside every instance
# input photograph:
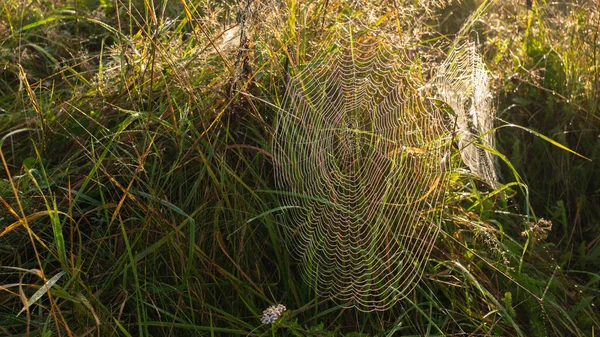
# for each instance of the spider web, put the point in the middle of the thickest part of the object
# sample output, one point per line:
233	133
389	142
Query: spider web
462	83
361	156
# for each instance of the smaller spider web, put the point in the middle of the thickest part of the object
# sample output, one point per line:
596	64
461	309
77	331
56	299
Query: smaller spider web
462	82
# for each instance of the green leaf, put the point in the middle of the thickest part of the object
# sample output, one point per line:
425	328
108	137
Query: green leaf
38	294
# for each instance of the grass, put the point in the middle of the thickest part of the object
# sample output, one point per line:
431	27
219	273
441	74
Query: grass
135	148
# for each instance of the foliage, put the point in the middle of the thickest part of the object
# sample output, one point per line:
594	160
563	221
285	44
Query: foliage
134	143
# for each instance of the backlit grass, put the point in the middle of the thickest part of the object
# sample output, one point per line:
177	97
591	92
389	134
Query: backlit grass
135	157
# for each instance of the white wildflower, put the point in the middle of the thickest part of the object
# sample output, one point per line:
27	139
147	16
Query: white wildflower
272	313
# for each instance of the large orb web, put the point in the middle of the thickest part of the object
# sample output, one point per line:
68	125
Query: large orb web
360	159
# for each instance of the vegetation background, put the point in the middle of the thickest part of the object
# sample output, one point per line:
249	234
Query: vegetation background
136	183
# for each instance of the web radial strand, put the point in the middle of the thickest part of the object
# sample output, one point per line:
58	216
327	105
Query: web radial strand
360	157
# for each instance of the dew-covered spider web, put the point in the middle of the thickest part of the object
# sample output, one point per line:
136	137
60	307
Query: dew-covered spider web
462	83
361	154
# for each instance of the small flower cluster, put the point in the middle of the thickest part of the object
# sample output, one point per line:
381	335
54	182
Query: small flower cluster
539	230
272	313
